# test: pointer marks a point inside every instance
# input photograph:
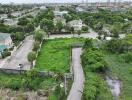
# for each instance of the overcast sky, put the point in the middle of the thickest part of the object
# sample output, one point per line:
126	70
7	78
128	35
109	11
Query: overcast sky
50	1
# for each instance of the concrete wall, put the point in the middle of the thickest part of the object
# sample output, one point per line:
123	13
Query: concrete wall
17	71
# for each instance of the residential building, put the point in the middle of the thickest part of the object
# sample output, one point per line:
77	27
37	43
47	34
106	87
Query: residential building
10	22
5	39
76	24
43	8
60	13
5	42
79	9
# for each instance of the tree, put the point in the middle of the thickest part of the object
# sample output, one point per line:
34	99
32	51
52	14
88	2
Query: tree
36	45
47	25
30	27
17	36
39	35
85	28
59	26
99	26
88	44
115	32
120	45
79	32
31	57
72	30
23	21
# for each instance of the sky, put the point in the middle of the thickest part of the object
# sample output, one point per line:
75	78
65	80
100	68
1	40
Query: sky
50	1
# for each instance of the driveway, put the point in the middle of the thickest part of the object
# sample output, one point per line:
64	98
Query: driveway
78	84
20	55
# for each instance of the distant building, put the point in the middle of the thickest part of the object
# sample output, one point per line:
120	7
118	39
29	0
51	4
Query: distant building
16	14
10	22
3	16
76	24
79	9
60	13
43	8
5	42
5	39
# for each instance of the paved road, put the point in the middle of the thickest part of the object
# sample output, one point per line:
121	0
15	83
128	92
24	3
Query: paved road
20	56
78	84
91	34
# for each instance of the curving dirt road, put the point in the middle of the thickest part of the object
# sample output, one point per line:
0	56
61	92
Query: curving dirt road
78	84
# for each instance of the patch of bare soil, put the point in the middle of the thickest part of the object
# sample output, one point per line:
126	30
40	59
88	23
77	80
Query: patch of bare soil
7	94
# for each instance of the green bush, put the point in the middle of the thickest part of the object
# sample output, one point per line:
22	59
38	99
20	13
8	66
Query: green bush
95	88
94	60
6	53
94	63
85	29
36	45
127	57
13	84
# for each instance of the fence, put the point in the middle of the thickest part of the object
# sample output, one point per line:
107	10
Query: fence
17	71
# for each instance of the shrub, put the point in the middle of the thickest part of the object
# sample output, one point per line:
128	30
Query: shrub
94	59
6	53
14	84
95	88
127	57
85	29
36	45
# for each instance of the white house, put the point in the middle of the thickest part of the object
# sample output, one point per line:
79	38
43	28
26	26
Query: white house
79	9
60	13
16	14
76	24
5	39
43	8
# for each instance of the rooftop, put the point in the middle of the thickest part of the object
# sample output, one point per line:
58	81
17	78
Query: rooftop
2	47
4	36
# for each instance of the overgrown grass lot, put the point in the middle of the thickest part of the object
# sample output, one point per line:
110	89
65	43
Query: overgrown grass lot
27	81
55	55
123	71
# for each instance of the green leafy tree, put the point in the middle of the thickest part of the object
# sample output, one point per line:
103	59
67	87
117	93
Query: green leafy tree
47	25
36	45
31	57
29	27
39	35
18	36
59	26
88	44
23	21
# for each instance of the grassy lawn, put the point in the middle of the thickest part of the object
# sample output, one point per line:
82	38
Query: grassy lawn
55	55
122	71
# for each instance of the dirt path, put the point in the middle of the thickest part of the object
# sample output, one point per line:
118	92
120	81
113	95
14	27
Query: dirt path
78	84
